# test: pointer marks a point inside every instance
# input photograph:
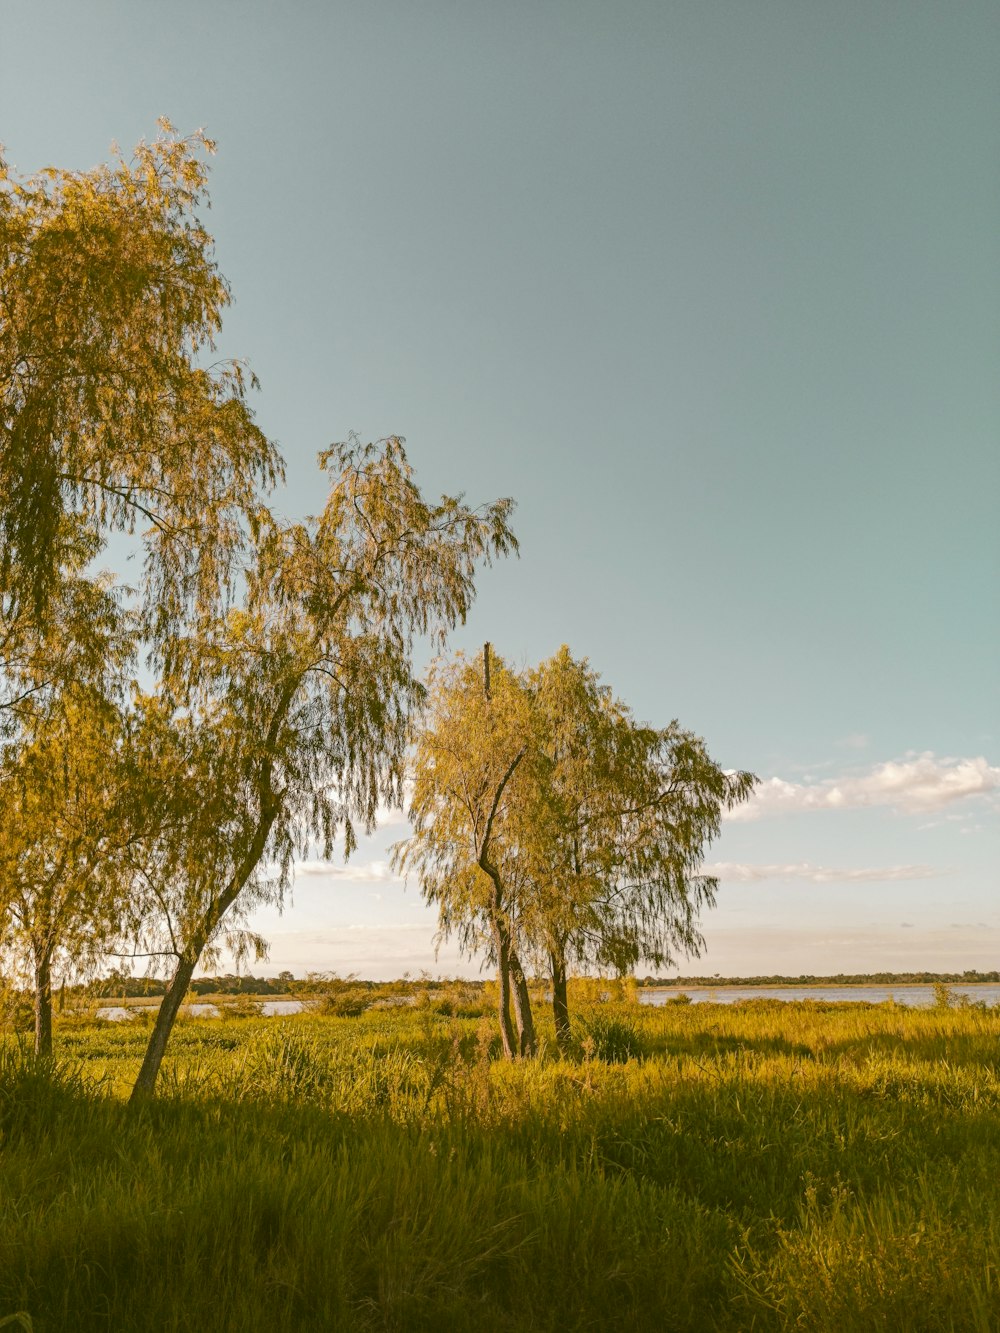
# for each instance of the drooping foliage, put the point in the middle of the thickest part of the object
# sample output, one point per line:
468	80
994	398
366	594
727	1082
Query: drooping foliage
631	811
275	715
64	830
109	410
289	717
472	785
599	827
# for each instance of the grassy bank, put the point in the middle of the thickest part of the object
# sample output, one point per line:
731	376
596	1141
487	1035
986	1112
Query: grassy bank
698	1167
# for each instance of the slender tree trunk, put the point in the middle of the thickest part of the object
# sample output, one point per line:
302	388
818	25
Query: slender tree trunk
165	1017
560	1000
269	807
43	1002
526	1041
502	946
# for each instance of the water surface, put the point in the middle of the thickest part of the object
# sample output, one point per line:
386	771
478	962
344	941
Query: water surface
116	1012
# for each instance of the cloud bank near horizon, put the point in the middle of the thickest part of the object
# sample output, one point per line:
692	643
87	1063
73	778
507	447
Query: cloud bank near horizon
361	872
746	873
916	784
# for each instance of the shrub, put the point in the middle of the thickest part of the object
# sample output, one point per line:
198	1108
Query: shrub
612	1038
344	1004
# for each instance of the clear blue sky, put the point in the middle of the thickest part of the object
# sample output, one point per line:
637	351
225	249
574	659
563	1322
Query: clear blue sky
713	289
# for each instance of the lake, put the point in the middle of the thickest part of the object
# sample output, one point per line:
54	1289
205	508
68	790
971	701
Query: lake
921	997
116	1012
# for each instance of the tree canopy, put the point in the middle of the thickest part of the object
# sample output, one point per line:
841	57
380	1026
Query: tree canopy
111	412
472	789
595	826
275	715
290	716
148	816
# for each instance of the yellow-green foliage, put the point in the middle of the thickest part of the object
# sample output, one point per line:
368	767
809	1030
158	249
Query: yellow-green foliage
764	1166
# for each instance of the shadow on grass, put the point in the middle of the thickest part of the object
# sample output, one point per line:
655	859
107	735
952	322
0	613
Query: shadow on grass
338	1187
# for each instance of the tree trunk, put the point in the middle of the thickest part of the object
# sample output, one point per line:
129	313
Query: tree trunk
502	945
560	1000
526	1041
43	1002
163	1026
269	808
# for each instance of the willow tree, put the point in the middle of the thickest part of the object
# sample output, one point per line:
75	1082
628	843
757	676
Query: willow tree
283	726
64	827
549	825
110	415
630	811
472	778
84	637
64	805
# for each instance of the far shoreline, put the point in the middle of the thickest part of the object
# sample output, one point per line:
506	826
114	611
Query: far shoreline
818	984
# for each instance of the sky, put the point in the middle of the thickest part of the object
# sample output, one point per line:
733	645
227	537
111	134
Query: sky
713	290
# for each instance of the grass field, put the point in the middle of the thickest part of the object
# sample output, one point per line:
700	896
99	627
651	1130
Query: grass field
698	1167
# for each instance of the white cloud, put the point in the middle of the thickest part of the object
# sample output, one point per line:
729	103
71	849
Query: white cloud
386	817
915	784
745	873
360	872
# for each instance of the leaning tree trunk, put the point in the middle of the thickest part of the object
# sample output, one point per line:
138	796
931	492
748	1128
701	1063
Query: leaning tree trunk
43	1001
560	1000
526	1041
167	1013
165	1018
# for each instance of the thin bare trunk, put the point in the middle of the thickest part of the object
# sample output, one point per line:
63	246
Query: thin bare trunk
526	1040
165	1018
502	946
43	1001
269	807
560	999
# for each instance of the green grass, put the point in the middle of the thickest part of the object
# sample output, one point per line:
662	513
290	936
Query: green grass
698	1167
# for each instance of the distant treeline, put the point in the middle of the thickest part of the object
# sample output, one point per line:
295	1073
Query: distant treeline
840	979
318	983
117	985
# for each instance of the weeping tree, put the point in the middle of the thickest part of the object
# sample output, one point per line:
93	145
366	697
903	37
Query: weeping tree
111	417
281	727
550	826
472	775
112	420
64	830
630	811
65	809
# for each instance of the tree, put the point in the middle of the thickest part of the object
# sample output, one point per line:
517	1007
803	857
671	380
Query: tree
111	419
109	416
471	771
284	725
630	812
548	824
63	830
64	809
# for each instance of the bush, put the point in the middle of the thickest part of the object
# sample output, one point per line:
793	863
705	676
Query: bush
344	1004
243	1006
17	1012
611	1038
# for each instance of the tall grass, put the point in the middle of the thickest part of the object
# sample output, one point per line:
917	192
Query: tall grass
695	1167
